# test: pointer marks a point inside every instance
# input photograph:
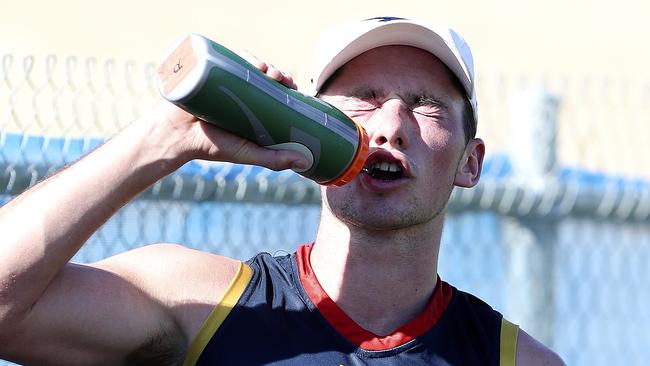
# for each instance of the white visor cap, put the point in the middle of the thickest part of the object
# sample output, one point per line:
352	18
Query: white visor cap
346	41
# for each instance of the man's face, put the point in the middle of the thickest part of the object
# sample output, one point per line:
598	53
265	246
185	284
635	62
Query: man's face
405	99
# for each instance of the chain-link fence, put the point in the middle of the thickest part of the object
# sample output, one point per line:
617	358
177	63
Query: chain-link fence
555	236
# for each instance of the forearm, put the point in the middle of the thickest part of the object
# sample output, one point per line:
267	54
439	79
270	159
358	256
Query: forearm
45	226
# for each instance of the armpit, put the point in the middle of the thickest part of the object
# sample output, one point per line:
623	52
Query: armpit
164	349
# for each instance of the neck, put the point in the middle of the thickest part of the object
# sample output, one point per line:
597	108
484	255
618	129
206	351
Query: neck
381	278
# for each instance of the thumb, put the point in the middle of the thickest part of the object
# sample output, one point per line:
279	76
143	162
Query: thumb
280	159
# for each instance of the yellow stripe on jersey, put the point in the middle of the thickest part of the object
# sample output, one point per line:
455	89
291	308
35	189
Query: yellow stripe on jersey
219	313
508	344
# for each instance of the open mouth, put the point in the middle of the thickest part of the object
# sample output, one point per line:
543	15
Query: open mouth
384	170
383	165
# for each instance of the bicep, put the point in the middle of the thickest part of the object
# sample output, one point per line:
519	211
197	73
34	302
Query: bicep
87	315
531	352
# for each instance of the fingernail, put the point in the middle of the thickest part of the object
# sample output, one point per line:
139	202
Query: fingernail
300	165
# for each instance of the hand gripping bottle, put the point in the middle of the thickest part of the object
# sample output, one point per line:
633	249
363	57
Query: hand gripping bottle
219	87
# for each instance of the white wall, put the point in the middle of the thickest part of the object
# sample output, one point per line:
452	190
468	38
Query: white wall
578	37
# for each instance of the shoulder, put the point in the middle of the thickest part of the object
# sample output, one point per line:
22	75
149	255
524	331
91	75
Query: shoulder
186	282
531	352
158	267
473	308
271	262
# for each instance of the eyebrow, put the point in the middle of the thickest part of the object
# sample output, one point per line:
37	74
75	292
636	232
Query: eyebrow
428	100
365	92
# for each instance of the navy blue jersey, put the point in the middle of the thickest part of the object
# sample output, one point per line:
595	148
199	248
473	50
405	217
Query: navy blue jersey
275	313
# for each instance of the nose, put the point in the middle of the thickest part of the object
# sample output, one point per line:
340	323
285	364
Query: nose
388	125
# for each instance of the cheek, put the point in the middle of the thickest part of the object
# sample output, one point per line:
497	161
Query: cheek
444	148
360	117
440	140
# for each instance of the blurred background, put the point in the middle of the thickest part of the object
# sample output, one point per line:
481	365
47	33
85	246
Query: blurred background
556	235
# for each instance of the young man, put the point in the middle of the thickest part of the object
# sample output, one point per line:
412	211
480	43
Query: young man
366	292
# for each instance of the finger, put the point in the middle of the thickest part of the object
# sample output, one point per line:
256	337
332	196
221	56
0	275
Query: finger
287	81
270	70
274	73
225	146
284	159
250	153
250	58
281	77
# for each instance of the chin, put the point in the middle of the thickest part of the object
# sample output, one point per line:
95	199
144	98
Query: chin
382	224
380	212
379	216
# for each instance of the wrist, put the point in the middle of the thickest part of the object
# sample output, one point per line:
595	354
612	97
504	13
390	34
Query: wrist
158	143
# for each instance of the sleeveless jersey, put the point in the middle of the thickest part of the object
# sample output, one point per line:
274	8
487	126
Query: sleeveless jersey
275	313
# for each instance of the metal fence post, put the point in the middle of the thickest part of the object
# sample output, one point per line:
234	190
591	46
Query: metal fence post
530	239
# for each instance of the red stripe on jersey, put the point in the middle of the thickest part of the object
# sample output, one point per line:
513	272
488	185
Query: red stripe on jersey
347	327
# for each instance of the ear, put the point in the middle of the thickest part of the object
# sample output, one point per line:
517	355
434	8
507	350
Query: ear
469	168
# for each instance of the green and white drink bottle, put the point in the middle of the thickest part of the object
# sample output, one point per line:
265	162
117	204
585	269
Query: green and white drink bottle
219	87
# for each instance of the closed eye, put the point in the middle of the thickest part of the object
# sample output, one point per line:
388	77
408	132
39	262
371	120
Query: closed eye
428	111
362	99
428	107
356	105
